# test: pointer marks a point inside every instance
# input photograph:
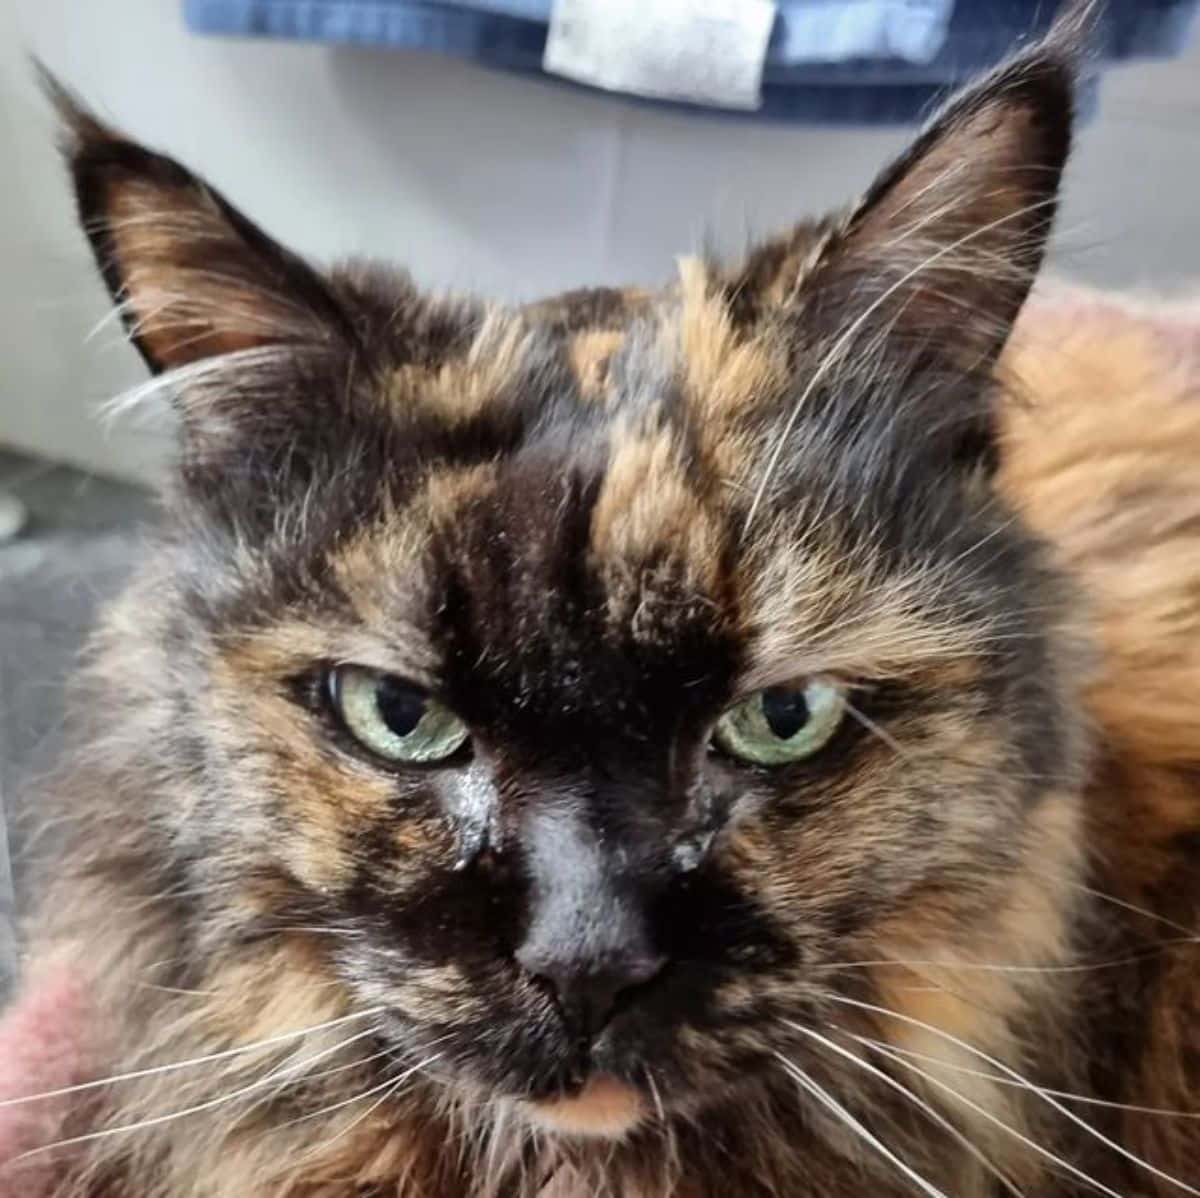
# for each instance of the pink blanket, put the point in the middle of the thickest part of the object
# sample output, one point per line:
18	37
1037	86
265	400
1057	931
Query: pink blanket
42	1040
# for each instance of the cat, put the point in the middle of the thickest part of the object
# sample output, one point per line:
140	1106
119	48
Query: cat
730	740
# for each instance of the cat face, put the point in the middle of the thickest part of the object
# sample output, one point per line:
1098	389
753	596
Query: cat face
604	683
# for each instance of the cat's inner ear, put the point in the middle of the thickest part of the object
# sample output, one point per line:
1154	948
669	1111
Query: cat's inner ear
939	255
193	277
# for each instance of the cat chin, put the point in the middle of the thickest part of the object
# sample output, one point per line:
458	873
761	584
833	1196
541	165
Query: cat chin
605	1109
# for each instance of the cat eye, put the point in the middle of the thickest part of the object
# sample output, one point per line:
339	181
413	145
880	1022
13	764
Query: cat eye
783	723
393	718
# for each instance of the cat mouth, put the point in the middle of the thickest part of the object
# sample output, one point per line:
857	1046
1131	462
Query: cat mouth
604	1108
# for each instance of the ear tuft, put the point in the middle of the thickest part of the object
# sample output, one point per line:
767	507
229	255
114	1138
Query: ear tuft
1075	32
77	124
194	278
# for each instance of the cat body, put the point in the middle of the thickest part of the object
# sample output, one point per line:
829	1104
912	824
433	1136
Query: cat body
731	740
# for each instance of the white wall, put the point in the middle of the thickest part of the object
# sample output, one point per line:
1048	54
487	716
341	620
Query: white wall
472	179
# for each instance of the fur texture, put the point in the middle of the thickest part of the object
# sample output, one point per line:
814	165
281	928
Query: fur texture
589	526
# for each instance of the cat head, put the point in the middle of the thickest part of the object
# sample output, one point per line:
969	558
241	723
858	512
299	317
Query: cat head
607	682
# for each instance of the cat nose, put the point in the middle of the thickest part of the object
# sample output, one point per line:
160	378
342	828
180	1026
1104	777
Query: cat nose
589	939
587	991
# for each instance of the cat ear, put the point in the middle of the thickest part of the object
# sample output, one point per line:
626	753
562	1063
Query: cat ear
945	246
937	258
193	277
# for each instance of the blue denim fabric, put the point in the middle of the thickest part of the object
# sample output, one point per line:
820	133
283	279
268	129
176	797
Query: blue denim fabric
829	61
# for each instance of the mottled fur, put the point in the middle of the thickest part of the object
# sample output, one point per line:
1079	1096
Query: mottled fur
589	525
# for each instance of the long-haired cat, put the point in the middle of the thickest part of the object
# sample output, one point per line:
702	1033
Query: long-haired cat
732	740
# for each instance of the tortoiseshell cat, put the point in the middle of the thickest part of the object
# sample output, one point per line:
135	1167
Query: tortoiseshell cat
727	741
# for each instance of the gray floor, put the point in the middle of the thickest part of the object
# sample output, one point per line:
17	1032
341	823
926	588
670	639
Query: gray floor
79	544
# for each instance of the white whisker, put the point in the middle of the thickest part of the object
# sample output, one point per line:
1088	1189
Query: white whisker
991	967
1190	933
1165	1112
356	1064
1074	1170
915	1099
875	730
389	1089
198	1108
671	1155
393	1082
225	1054
1066	1112
830	1103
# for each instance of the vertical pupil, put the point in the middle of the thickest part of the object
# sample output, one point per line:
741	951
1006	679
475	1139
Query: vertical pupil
400	706
786	712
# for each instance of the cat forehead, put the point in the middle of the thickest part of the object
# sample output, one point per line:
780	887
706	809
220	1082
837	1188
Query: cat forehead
619	521
621	410
692	345
622	443
540	556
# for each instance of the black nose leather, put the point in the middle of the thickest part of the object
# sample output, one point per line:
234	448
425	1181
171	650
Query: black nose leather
589	937
587	991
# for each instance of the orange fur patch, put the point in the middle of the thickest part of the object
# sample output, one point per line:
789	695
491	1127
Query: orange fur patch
648	513
461	388
605	1109
590	353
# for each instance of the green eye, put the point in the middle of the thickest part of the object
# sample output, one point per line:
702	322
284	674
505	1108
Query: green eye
782	724
393	718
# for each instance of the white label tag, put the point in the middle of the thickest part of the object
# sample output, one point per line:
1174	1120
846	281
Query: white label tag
701	51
